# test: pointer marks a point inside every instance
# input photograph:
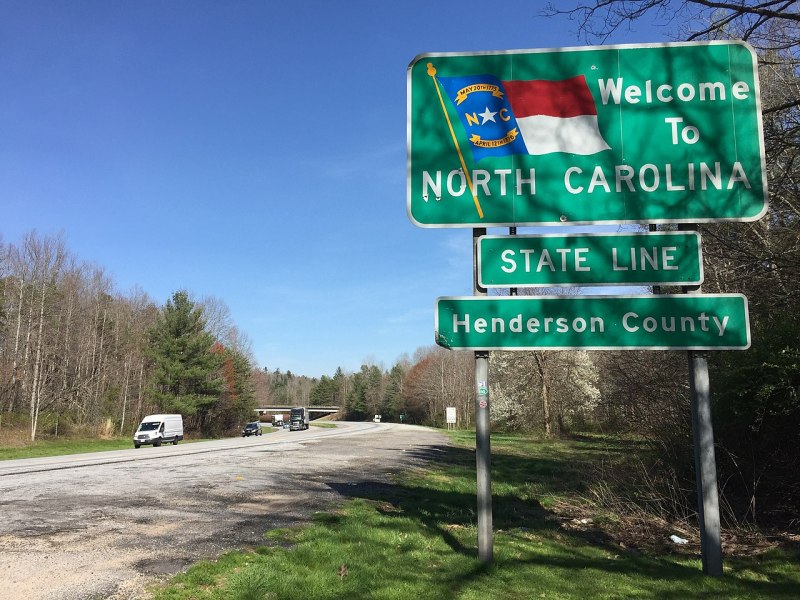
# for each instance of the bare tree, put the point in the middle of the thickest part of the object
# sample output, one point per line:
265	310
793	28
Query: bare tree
47	258
690	19
70	348
439	378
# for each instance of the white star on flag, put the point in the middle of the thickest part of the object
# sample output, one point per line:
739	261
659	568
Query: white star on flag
487	116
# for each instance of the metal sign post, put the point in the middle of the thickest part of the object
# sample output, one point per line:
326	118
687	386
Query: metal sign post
483	455
483	459
705	464
512	291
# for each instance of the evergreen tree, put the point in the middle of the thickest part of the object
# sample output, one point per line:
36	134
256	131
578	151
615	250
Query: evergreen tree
340	382
322	394
186	375
356	402
394	393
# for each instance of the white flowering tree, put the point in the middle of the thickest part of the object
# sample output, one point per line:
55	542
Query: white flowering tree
543	388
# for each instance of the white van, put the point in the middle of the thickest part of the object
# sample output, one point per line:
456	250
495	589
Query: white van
155	429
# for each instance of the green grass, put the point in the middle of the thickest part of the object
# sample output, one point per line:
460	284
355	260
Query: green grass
323	425
415	539
60	447
65	446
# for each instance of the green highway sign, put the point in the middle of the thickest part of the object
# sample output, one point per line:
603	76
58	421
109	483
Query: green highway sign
630	322
658	258
652	133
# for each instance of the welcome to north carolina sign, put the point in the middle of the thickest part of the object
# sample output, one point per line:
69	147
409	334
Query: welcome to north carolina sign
613	134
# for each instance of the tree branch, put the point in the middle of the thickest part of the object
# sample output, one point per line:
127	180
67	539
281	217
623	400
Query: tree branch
774	109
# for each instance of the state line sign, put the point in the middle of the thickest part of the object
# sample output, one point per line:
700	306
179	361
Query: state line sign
657	258
608	134
627	322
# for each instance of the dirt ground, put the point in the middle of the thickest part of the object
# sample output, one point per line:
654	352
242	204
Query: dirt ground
111	530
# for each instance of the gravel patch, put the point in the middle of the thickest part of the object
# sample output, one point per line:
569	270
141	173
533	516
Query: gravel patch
111	530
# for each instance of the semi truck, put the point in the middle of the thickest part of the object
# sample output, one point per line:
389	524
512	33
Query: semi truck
298	419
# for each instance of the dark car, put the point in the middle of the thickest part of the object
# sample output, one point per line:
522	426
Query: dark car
251	429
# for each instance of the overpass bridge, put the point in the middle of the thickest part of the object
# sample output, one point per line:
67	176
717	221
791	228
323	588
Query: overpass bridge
314	412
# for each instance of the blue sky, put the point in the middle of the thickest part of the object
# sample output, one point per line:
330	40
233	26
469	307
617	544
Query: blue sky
252	151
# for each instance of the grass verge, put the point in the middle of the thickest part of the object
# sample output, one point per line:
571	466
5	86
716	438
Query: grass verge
65	446
415	538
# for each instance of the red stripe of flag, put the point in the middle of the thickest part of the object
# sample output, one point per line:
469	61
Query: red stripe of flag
566	98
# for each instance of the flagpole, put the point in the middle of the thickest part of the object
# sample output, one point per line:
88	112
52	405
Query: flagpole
432	73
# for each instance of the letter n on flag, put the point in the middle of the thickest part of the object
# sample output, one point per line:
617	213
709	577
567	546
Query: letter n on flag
525	117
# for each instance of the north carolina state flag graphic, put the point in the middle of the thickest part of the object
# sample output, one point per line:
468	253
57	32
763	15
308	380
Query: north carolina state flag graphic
525	117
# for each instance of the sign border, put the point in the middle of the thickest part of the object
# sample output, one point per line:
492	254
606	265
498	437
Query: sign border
592	348
643	234
474	224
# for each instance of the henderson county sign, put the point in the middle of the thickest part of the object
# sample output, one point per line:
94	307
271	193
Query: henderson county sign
612	134
663	322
